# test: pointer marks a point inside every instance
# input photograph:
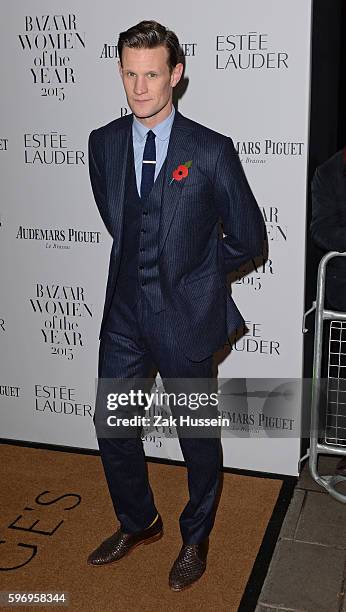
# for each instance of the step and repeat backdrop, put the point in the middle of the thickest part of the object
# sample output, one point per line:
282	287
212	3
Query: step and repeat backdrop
247	75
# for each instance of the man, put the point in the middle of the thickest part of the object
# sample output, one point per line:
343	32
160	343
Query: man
161	183
328	231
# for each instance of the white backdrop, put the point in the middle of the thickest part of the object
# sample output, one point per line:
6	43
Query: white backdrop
248	67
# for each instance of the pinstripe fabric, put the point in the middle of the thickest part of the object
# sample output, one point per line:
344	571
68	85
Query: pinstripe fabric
142	342
193	260
190	261
138	269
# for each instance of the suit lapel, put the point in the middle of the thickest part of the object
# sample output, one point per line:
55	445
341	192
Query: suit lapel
180	150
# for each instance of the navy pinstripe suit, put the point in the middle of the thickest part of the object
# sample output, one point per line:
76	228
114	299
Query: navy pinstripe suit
182	311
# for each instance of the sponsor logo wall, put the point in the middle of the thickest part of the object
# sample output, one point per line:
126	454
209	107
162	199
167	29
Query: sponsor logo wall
245	77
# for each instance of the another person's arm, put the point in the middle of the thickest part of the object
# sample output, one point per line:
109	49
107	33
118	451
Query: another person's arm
328	225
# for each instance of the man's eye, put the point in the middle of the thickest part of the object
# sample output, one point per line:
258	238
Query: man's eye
152	75
130	74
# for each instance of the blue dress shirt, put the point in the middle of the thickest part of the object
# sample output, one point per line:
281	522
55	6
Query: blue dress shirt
162	132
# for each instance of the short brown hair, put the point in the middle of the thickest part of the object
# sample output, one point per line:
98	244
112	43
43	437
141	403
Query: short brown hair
151	34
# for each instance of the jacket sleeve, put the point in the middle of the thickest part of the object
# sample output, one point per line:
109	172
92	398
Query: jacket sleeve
243	224
328	226
97	175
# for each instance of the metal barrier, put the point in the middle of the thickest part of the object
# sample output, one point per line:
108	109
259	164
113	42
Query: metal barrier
331	439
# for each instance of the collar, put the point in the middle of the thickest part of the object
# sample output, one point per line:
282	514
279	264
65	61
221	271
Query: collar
161	130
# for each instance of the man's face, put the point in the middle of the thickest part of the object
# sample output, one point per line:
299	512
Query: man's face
149	83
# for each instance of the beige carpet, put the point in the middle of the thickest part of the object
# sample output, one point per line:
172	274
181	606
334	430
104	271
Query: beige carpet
83	517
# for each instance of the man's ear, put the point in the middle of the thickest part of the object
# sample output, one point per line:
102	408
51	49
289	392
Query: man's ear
177	74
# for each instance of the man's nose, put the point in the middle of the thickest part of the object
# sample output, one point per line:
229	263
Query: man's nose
140	85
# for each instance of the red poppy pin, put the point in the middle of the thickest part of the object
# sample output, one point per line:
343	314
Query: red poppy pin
181	171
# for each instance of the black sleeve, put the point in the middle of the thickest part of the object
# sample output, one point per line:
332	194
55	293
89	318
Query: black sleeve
328	229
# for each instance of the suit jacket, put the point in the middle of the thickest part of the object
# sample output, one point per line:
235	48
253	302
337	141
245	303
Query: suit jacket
328	223
193	255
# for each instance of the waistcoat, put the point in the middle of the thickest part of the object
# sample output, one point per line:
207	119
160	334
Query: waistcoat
138	269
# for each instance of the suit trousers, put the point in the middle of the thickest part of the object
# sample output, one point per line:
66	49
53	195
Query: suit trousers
137	342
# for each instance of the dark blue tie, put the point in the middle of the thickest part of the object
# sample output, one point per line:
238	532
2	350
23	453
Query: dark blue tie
148	165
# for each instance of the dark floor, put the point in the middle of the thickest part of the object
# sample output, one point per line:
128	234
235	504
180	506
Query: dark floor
308	569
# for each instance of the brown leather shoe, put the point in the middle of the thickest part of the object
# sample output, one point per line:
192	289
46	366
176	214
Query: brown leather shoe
120	544
189	566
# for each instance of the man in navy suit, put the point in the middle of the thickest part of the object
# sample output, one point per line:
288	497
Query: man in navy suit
163	185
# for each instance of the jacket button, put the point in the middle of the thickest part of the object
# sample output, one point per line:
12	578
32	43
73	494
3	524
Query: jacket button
141	250
141	267
142	231
143	283
145	212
